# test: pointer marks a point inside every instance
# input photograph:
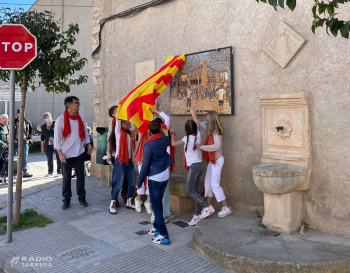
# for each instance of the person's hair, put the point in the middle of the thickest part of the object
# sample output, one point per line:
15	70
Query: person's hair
112	139
135	135
154	127
112	145
88	128
191	128
46	114
214	126
111	110
18	111
159	120
69	100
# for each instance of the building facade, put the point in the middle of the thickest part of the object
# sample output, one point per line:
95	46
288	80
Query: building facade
319	68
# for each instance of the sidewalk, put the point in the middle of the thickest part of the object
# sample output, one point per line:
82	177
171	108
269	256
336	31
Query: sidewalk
90	239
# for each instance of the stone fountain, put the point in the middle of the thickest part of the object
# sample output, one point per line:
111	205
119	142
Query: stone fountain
285	168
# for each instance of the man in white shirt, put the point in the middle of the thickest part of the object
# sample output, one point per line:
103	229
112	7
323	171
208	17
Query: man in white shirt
189	93
69	140
221	93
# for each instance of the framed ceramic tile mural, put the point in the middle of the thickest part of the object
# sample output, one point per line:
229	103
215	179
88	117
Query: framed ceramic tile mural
204	83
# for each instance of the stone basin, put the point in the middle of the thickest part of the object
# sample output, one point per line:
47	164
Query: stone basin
278	178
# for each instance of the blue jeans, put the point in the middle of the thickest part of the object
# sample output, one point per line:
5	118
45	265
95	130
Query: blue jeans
166	204
188	102
25	155
119	173
125	184
156	192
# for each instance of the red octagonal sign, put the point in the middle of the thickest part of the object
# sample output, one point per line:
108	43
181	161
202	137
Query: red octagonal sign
18	47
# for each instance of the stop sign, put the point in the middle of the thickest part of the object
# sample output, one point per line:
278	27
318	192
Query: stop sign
18	47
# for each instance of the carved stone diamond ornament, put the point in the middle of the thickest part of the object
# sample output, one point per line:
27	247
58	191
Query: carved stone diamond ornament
283	44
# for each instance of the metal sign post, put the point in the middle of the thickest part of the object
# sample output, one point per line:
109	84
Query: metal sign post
10	158
18	47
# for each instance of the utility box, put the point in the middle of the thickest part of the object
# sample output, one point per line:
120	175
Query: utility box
101	147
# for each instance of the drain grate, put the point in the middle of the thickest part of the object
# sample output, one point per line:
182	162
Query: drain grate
92	211
269	233
181	224
141	232
144	223
50	198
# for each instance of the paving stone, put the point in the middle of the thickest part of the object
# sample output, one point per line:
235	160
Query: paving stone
109	240
88	254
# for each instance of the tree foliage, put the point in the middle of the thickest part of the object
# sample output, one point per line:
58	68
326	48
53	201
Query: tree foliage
54	67
57	60
323	12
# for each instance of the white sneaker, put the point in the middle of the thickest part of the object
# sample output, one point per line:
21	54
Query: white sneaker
206	212
194	220
148	207
138	205
151	231
162	240
225	211
165	221
130	204
112	208
49	175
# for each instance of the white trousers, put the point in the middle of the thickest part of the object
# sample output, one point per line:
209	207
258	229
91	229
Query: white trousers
141	190
212	180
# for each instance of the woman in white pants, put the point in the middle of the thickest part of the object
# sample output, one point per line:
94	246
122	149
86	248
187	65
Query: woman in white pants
212	153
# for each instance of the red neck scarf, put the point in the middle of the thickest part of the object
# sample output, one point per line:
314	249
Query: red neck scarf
139	152
172	153
66	126
209	156
155	137
123	153
184	160
113	122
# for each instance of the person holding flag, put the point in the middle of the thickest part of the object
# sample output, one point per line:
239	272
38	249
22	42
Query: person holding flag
110	160
156	162
137	105
123	165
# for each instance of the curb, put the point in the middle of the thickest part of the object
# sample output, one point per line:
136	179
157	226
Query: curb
6	265
242	264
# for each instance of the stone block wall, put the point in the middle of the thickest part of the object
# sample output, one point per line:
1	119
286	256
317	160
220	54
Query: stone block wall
319	68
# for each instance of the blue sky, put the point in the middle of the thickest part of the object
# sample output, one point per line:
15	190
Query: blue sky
7	3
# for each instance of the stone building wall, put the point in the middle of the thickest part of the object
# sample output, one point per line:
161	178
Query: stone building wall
320	68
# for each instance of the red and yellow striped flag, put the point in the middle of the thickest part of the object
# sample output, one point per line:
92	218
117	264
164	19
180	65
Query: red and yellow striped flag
137	105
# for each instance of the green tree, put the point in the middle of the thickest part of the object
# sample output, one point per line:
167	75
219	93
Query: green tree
54	68
323	12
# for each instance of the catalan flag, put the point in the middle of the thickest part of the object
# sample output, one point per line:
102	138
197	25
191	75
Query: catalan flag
137	105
